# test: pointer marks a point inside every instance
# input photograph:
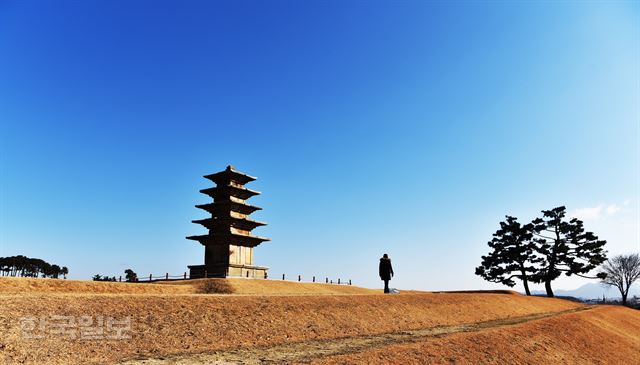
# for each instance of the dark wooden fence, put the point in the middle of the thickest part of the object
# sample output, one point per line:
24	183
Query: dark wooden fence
166	277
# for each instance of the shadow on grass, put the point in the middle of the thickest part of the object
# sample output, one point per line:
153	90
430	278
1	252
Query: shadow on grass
215	286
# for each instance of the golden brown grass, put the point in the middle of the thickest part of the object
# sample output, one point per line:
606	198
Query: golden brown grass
270	287
9	285
169	319
604	335
200	286
169	324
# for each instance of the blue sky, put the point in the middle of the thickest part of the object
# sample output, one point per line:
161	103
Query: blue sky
410	128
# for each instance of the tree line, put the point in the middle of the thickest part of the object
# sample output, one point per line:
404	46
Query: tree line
541	251
130	276
30	267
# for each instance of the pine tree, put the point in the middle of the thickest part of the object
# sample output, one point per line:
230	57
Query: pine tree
131	275
513	255
565	247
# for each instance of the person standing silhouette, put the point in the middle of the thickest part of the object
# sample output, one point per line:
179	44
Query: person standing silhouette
386	271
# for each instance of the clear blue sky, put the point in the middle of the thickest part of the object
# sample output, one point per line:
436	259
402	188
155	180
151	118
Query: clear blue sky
410	128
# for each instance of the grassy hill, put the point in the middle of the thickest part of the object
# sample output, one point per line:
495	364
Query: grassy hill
10	285
293	322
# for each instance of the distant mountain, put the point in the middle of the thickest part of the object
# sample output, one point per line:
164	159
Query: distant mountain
592	291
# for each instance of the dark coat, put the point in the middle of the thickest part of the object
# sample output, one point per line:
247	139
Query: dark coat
385	269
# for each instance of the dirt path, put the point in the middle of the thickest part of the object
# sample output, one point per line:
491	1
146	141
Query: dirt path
313	349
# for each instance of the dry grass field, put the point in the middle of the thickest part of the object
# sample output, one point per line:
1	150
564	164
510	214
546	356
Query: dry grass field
287	322
200	286
602	335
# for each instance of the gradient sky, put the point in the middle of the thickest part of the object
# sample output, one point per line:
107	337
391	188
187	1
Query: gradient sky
410	128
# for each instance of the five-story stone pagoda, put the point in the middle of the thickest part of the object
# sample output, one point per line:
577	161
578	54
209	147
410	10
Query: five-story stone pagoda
229	244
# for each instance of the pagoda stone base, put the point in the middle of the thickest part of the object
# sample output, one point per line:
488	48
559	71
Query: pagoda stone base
229	270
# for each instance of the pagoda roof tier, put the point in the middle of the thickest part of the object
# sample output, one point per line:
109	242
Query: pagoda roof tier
239	223
230	190
227	206
228	175
229	239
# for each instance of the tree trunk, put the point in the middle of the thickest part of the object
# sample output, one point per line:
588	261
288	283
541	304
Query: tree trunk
552	264
624	299
547	286
525	281
526	286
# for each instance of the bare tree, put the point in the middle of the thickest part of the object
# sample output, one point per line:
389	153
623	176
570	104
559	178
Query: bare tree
621	272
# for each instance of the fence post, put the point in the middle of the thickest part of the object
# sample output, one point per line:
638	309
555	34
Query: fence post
247	273
349	281
185	275
326	280
150	277
120	278
331	281
299	278
338	281
282	276
314	279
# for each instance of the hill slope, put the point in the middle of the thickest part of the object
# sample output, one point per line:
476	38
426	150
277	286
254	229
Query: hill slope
341	327
10	285
603	335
